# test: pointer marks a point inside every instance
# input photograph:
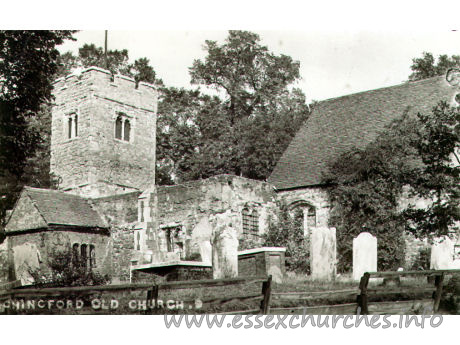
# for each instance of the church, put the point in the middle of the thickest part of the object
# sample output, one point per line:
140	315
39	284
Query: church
108	212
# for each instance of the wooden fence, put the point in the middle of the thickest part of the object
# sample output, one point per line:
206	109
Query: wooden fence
429	295
372	296
382	297
17	293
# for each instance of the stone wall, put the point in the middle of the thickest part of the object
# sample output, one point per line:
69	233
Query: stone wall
190	206
316	197
121	213
35	250
94	162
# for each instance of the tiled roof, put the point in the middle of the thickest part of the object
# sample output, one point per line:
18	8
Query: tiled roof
339	124
59	208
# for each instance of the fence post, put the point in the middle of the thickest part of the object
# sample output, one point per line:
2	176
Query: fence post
152	295
362	298
266	291
439	283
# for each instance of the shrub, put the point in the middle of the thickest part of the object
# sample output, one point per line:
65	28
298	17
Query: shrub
450	301
65	272
422	260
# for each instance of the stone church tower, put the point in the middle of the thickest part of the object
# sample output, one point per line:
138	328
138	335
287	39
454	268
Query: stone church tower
103	133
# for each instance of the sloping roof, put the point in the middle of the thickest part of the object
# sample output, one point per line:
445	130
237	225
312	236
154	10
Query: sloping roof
339	124
61	208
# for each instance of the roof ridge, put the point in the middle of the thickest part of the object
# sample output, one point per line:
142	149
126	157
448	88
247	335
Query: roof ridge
406	83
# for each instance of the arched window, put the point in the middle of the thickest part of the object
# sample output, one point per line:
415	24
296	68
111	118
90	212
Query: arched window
138	240
84	255
69	132
311	217
118	127
304	215
141	211
76	124
127	130
92	256
75	255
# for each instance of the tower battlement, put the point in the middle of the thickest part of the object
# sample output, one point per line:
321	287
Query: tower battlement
103	133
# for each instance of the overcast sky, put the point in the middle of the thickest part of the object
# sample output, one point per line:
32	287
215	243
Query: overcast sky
332	63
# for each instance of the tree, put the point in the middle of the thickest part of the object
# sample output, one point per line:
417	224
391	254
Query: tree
117	63
425	67
411	160
28	64
246	128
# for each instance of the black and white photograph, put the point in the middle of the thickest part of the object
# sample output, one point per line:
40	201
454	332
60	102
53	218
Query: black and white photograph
239	176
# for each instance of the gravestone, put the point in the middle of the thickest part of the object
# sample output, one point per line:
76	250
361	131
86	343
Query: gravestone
323	254
224	243
442	254
201	237
364	254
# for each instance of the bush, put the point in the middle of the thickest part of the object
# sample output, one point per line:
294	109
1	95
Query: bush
422	260
287	231
65	272
450	301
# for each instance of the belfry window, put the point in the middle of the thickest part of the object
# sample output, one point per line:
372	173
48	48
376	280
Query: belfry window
72	126
118	127
122	128
69	132
127	129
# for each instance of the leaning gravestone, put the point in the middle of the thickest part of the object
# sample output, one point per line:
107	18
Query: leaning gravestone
364	254
323	254
224	243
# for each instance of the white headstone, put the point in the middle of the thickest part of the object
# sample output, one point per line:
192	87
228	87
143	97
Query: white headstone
364	254
323	254
224	246
442	254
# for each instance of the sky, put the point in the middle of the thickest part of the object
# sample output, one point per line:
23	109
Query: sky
332	63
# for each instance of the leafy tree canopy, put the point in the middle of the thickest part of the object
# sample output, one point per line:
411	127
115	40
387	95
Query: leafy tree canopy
427	67
246	127
28	64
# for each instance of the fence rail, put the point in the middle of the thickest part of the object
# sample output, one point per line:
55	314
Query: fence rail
365	299
397	307
13	291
